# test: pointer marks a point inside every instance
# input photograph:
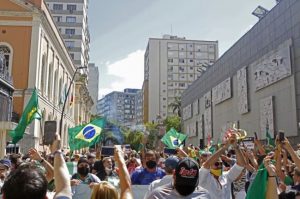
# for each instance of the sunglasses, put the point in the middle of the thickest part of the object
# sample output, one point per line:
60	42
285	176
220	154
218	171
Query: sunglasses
218	164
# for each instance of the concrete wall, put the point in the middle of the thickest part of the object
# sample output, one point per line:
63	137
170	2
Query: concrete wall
280	26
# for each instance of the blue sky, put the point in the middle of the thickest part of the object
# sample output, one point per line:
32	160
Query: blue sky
120	30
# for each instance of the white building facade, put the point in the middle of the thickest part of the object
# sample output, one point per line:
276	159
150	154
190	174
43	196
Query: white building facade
72	21
171	64
93	85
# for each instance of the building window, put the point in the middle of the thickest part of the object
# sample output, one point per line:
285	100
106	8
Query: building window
57	6
5	56
170	60
72	55
57	18
71	7
70	31
71	19
191	60
70	44
181	61
181	68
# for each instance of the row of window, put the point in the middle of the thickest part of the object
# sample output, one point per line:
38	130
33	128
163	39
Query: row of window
196	62
191	55
191	47
70	7
69	19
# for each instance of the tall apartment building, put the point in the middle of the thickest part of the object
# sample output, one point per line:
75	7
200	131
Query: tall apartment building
120	107
93	87
72	21
171	64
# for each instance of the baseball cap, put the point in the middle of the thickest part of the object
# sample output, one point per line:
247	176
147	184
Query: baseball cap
82	160
171	162
187	176
6	162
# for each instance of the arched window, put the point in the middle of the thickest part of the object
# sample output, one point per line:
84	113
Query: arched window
55	87
43	72
50	80
5	60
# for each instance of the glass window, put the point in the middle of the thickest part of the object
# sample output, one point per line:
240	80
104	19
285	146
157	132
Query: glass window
170	60
70	31
57	18
57	6
70	44
71	7
181	61
71	19
4	60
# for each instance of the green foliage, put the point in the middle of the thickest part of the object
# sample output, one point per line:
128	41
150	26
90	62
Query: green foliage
173	122
176	106
133	138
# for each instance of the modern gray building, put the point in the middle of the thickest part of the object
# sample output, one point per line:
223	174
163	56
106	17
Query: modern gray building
93	85
72	21
120	107
254	85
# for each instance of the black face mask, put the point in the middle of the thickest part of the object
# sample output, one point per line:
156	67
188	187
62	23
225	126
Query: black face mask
151	164
83	170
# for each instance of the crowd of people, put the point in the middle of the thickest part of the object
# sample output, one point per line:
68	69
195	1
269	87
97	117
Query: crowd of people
232	171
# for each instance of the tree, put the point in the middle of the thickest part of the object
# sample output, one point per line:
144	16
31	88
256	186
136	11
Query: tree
176	106
173	122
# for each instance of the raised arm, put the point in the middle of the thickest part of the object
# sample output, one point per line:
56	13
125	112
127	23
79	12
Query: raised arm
125	182
272	184
35	155
61	174
286	144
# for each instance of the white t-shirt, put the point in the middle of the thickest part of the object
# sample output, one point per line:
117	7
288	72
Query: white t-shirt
169	192
158	183
207	181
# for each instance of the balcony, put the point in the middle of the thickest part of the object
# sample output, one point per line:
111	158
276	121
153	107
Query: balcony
79	37
6	78
65	12
69	24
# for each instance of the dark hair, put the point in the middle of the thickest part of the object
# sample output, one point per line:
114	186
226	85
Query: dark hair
25	183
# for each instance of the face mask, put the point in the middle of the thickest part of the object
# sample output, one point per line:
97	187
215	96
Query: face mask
151	164
216	172
83	171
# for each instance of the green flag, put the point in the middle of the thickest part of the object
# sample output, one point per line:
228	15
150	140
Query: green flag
85	135
30	112
270	140
258	188
173	139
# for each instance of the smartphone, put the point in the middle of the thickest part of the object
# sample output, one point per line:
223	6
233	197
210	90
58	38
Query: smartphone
107	151
281	136
49	132
255	135
170	151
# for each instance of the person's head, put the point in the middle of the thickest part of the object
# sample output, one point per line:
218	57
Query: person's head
76	157
104	190
204	156
91	158
186	176
25	183
296	176
216	168
107	162
15	161
83	167
5	165
171	164
150	160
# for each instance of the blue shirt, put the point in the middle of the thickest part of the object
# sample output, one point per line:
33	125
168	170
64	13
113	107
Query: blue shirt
143	177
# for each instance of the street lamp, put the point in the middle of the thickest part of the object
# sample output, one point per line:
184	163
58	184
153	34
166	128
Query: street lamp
66	97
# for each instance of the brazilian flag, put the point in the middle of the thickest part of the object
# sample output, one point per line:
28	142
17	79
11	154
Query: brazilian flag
86	135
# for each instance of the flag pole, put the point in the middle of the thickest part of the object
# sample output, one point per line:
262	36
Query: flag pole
66	98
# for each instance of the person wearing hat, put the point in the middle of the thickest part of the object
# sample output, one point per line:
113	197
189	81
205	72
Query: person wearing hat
83	175
5	165
184	185
170	165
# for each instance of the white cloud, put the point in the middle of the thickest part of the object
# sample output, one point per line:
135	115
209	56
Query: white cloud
130	73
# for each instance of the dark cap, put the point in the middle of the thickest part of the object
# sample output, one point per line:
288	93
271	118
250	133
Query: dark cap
82	160
187	173
6	162
171	162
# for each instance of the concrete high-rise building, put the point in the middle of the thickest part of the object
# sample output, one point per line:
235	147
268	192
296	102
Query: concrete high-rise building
72	21
120	107
171	64
93	87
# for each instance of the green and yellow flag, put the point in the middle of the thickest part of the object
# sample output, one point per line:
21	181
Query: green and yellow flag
30	113
173	139
86	135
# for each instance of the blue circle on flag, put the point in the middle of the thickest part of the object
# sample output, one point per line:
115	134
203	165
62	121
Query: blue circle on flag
89	132
175	142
